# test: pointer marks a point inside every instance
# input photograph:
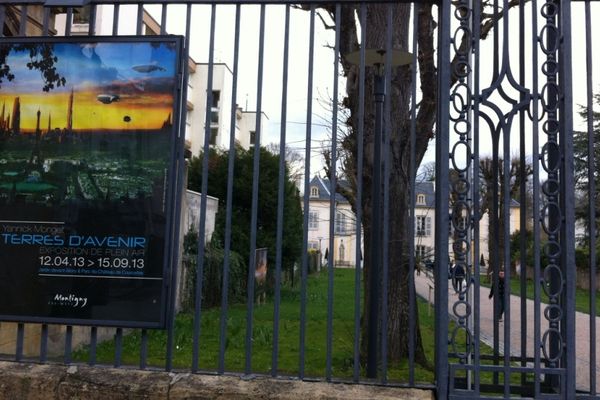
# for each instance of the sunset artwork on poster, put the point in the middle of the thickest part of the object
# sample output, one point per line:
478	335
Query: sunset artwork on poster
88	140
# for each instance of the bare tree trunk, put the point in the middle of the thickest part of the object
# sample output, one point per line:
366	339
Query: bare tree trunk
400	153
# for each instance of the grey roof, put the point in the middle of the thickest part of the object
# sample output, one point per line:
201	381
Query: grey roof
324	186
428	189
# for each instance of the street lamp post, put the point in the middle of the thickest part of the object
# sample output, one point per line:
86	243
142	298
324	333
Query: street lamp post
376	58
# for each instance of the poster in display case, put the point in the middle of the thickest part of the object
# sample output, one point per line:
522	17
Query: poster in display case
88	154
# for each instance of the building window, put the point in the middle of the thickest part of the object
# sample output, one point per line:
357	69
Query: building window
421	252
214	117
313	245
214	132
313	220
421	199
423	227
314	191
214	111
216	97
252	138
342	252
462	223
340	223
82	15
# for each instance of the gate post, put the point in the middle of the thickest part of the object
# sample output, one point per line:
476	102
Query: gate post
442	201
567	196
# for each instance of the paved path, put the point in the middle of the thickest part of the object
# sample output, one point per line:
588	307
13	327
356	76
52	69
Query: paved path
582	328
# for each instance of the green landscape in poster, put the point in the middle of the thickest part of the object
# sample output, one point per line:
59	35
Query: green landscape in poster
87	140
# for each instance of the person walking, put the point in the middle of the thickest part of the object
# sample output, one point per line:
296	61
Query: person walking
500	293
458	273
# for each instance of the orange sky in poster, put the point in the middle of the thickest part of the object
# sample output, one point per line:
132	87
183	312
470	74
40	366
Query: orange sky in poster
146	111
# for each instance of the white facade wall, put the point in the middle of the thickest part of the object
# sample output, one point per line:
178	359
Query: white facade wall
344	244
425	237
428	238
220	116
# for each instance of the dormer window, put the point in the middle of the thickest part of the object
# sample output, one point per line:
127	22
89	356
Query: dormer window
420	198
314	191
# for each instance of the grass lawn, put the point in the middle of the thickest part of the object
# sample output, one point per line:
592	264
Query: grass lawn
316	330
289	328
582	296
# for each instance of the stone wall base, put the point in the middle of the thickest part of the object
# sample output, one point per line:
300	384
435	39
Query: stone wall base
20	381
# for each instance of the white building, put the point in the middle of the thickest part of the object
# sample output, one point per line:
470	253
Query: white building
345	223
424	221
220	114
344	241
425	224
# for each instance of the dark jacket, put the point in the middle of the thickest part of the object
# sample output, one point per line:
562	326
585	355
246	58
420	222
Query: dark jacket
500	288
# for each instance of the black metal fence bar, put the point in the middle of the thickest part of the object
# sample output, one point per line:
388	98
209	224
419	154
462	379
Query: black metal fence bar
23	20
228	216
200	261
476	195
93	344
523	195
45	23
44	343
280	194
442	178
180	167
139	19
568	201
20	339
68	344
359	199
411	214
385	237
332	200
92	20
536	203
116	13
255	182
306	204
118	347
68	22
144	349
591	166
163	19
2	18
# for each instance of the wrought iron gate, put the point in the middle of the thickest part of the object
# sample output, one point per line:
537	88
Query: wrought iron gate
515	182
509	116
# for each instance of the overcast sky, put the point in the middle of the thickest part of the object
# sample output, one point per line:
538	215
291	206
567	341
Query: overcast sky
323	67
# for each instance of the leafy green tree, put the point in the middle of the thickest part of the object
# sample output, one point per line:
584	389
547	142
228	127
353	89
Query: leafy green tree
212	273
587	169
242	204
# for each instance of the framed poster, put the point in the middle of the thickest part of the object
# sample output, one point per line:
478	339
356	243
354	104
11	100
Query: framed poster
88	144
